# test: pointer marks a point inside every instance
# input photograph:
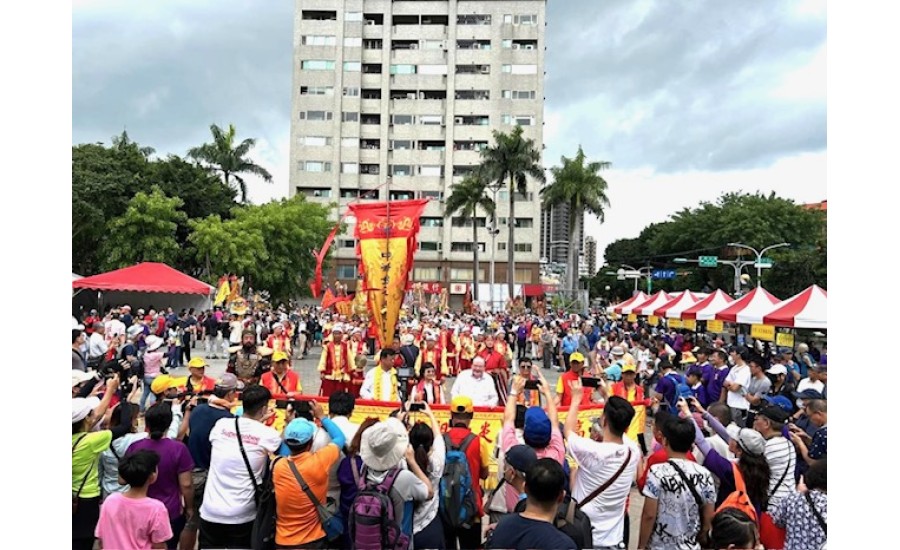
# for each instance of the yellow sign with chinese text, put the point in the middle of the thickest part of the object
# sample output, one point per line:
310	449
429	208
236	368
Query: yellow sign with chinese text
715	326
784	339
763	332
690	324
653	320
675	323
632	317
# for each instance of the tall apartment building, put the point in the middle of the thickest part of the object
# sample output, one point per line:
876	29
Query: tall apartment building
590	255
409	91
555	238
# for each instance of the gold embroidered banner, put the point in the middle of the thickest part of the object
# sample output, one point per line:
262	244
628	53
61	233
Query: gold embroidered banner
386	232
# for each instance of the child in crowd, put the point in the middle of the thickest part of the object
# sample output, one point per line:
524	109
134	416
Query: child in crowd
132	519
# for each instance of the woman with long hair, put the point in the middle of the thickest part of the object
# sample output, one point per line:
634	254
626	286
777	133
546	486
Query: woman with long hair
173	482
348	472
428	445
732	529
747	445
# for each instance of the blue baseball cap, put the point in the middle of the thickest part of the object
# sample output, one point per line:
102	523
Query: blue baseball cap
537	428
299	431
779	401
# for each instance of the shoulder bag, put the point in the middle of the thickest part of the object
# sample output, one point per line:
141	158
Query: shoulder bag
609	482
76	494
701	536
332	524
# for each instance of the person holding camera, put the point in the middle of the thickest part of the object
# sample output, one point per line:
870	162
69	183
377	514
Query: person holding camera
382	383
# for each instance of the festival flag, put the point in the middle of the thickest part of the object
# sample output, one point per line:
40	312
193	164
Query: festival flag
327	299
386	233
316	285
224	291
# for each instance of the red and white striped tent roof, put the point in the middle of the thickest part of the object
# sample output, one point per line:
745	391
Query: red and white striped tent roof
749	308
805	310
707	308
657	300
625	307
673	308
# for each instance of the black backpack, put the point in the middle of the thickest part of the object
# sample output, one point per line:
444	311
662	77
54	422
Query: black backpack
263	533
571	521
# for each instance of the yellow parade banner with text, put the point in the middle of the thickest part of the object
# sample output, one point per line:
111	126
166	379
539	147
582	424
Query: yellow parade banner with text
632	317
784	339
715	326
653	320
690	324
763	332
675	323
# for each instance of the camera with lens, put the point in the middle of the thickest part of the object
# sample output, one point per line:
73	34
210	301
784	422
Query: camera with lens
121	367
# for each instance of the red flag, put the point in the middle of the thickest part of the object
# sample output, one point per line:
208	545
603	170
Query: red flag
316	285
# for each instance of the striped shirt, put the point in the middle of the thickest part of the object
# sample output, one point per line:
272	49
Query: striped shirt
781	457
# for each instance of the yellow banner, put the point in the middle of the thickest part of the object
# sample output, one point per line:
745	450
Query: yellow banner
715	326
613	316
653	320
675	323
763	332
632	317
690	324
784	339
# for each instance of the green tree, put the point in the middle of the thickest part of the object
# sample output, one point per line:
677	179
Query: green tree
583	189
465	199
145	232
510	162
227	157
270	244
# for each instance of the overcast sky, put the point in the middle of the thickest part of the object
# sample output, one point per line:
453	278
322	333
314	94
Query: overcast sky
687	100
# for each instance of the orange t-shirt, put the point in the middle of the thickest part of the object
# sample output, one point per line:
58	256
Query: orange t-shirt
298	523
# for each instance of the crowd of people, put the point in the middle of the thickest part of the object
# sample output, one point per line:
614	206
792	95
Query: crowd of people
736	459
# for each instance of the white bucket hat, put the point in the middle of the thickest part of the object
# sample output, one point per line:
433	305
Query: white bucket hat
383	445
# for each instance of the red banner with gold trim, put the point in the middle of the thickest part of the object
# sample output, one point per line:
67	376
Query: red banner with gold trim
386	233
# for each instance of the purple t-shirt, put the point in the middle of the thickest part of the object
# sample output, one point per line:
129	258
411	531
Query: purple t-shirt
174	458
716	382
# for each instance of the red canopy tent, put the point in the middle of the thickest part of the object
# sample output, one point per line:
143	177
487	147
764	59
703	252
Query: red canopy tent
758	299
145	277
714	302
635	300
805	310
676	305
653	302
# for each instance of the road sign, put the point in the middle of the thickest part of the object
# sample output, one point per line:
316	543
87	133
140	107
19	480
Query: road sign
708	261
663	274
764	263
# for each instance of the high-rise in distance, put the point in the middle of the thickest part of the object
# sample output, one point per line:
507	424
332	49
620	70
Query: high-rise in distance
410	90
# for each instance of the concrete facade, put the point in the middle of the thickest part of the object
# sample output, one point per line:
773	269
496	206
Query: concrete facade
555	238
411	90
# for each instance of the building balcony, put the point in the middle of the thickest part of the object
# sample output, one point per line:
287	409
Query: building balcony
427	32
418	107
372	56
372	31
370	105
373	80
418	57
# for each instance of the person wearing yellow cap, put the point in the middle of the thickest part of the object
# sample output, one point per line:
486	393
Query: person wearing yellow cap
198	381
564	383
282	381
628	390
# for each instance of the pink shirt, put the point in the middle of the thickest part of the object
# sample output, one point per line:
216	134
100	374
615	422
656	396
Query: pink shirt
132	522
555	450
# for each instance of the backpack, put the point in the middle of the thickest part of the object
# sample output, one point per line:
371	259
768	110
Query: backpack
571	521
263	533
739	499
681	390
373	523
457	498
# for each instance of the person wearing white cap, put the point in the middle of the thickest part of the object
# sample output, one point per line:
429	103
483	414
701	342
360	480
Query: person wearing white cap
336	363
434	354
86	448
279	340
382	449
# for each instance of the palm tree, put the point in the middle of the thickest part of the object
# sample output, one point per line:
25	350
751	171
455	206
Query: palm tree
583	189
509	162
223	156
467	196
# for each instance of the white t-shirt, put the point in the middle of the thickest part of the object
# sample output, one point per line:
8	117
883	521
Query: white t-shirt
229	491
322	439
427	511
597	463
236	329
740	375
677	517
97	346
482	392
781	457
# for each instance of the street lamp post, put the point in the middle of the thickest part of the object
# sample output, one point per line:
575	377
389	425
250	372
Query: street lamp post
636	274
759	257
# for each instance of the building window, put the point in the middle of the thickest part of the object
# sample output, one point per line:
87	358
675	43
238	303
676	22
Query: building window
371	169
353	42
433	44
472	94
351	91
314	166
432	171
347	243
522	247
318	40
465	274
400	170
401	144
316	90
349	116
353	16
349	193
526	19
458	221
471	19
422	274
518	94
431	222
518	120
352	66
349	142
317	65
501	246
349	168
467	246
346	272
319	192
434	195
403	69
401	195
519	69
429	246
316	115
314	141
431	119
400	120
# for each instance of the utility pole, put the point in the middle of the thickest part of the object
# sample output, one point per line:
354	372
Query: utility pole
738	265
